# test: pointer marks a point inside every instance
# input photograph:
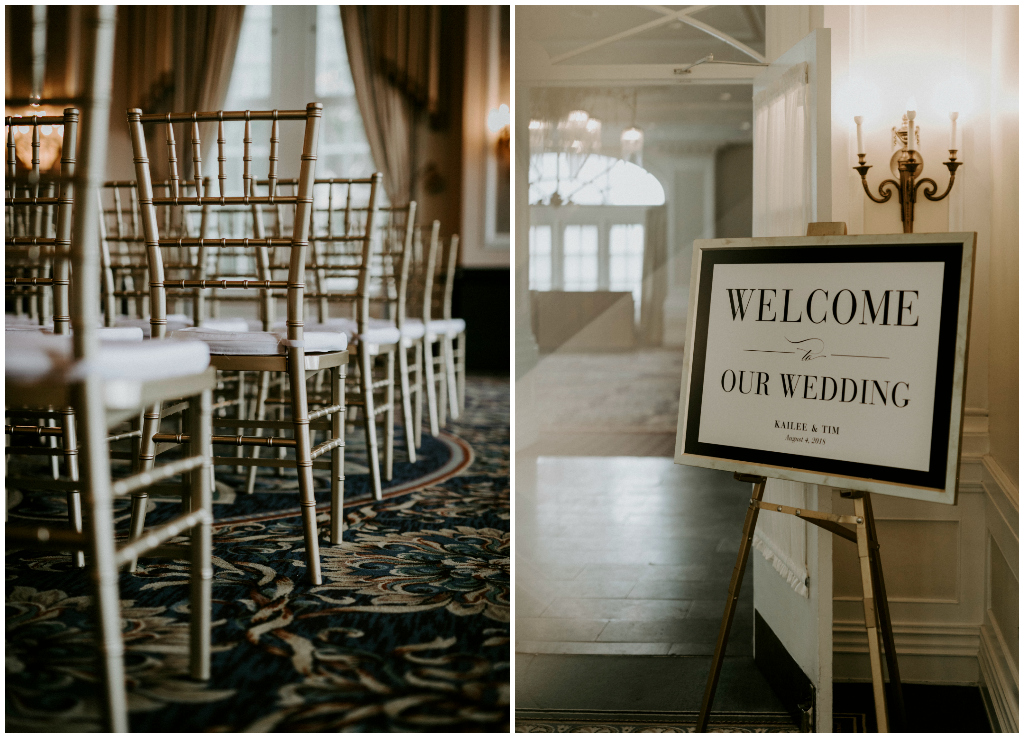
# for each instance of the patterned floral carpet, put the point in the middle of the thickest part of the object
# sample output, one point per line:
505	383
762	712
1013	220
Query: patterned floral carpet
409	632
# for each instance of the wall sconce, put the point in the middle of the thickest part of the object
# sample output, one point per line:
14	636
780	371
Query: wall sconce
907	163
499	120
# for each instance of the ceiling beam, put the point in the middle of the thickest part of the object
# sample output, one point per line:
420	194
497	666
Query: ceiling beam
672	15
756	24
603	75
724	37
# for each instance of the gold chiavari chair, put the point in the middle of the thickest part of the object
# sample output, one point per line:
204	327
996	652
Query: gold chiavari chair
428	291
33	213
106	384
30	249
454	332
399	229
350	269
299	354
123	257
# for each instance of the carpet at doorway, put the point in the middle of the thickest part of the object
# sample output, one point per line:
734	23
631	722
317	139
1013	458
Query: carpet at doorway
410	630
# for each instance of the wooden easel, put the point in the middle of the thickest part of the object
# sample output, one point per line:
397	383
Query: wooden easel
876	607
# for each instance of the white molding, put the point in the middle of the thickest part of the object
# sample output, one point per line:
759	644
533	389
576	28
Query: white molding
928	653
1000	676
1002	511
918	639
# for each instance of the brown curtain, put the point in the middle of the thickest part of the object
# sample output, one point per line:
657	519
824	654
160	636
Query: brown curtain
207	44
387	112
655	284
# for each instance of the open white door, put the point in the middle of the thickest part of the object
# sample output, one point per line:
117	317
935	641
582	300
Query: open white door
791	560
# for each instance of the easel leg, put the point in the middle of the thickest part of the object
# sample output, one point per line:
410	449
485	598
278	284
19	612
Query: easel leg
734	593
884	620
864	542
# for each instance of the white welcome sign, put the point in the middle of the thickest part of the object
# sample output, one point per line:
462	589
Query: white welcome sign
835	360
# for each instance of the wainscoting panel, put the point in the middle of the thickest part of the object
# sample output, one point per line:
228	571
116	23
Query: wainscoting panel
934	562
1000	639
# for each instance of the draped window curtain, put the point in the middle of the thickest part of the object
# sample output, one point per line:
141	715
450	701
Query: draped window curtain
387	112
782	181
180	59
207	45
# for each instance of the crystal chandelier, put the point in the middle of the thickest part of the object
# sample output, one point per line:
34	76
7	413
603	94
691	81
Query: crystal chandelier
579	136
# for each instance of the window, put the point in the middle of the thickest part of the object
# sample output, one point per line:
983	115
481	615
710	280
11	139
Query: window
579	253
540	258
588	249
343	149
276	47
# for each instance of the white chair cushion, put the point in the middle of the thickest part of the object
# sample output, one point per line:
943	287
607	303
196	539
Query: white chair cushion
320	341
32	356
413	328
378	330
175	321
233	343
260	343
119	333
230	325
451	327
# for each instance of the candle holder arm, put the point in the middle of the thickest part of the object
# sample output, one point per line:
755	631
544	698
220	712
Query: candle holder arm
884	195
930	186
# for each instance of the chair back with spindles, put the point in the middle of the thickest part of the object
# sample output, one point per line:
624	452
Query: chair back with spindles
427	277
32	205
302	202
123	256
451	260
398	229
345	258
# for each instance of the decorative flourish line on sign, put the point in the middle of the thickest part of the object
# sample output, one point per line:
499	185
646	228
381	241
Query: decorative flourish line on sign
814	349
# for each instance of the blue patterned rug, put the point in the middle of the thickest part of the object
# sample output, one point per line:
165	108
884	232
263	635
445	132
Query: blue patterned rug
409	632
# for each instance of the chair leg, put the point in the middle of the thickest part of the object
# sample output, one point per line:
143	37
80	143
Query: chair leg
449	373
137	424
369	418
389	419
442	385
71	464
460	364
403	377
54	461
96	463
201	544
338	457
147	458
303	461
261	414
428	364
241	416
417	423
282	452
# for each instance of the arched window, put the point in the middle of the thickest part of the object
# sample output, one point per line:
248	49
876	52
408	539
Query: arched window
602	180
587	231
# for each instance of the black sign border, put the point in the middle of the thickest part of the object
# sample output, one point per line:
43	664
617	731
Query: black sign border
950	254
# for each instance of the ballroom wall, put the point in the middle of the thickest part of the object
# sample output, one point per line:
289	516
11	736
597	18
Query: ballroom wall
952	572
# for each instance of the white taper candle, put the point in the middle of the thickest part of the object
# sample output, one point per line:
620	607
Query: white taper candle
911	114
952	135
858	119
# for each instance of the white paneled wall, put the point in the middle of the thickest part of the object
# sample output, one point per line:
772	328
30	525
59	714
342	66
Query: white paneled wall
952	572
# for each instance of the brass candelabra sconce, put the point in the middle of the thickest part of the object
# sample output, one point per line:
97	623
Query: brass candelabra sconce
907	164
